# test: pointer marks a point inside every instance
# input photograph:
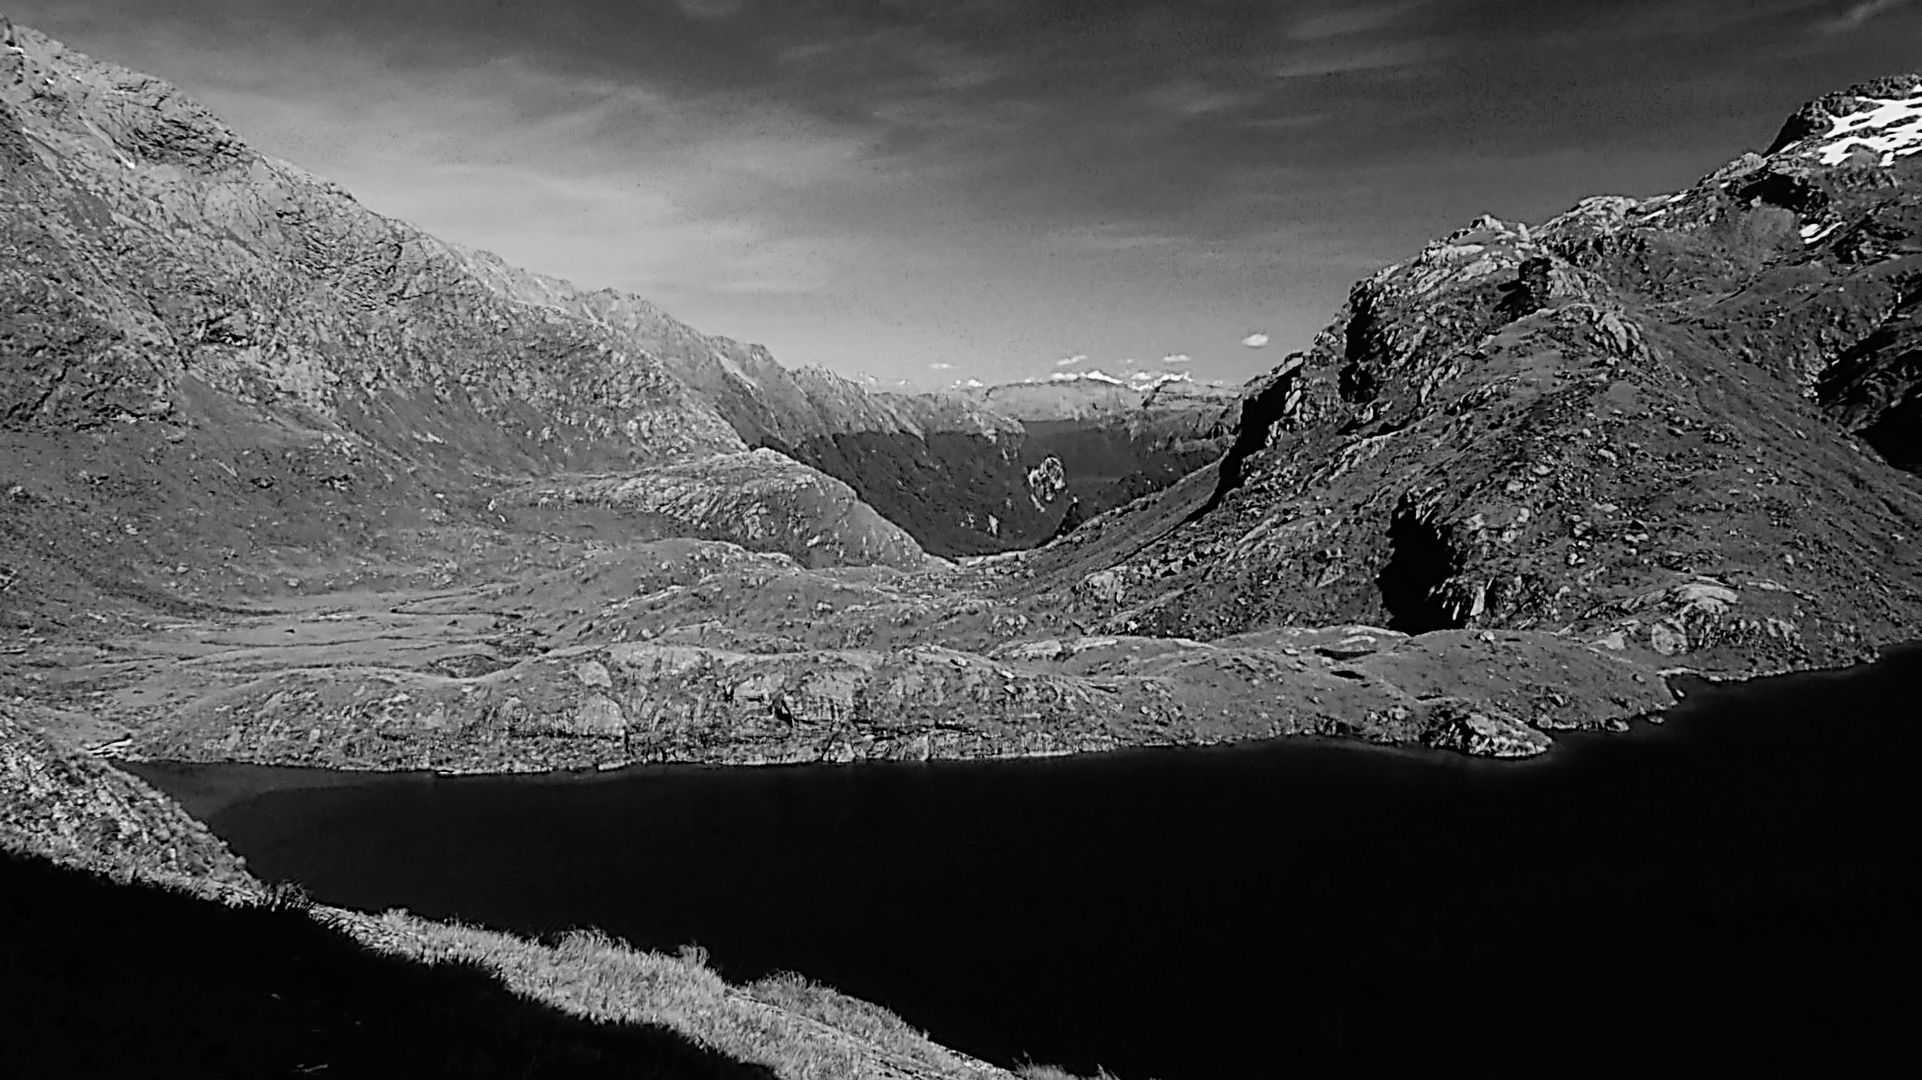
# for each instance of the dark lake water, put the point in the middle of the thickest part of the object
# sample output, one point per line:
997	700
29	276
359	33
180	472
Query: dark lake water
1731	887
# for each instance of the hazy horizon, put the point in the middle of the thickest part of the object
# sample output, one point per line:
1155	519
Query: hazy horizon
930	191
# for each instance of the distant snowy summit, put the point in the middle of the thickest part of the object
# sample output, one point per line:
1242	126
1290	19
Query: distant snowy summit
1136	380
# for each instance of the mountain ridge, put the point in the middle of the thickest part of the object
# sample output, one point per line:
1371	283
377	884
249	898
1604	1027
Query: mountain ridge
1685	329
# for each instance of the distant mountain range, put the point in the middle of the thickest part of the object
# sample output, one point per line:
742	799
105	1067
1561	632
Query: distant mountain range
1082	395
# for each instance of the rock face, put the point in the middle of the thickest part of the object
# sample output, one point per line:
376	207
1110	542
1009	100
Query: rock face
1662	425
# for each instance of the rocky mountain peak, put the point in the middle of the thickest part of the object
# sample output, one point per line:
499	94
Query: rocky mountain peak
1883	117
1611	422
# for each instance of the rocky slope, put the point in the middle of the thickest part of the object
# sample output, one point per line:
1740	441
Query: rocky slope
946	469
167	258
1662	425
208	349
61	804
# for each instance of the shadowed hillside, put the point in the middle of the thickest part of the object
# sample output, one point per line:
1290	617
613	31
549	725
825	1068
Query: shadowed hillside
106	979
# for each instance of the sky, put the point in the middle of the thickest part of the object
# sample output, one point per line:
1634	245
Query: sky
930	191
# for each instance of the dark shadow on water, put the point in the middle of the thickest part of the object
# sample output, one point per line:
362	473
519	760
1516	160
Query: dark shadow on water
102	979
1729	888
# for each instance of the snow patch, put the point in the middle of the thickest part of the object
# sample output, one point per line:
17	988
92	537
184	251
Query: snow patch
1890	128
1148	380
1090	376
1815	233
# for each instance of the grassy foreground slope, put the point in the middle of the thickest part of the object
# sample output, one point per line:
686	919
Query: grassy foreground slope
134	942
108	978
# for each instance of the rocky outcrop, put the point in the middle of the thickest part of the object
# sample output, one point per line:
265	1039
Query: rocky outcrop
764	500
1634	424
62	804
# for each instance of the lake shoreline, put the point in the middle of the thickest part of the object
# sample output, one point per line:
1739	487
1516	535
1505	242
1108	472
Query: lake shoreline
1368	874
1690	688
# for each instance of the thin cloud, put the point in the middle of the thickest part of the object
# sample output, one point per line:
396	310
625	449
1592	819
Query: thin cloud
543	166
999	174
1108	239
1190	98
1176	358
1860	13
1255	340
1345	19
1315	62
1070	361
939	366
710	9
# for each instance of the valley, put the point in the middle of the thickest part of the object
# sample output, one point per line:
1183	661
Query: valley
284	481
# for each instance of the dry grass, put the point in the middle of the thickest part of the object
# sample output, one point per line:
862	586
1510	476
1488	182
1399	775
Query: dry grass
801	1030
70	809
1032	1071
